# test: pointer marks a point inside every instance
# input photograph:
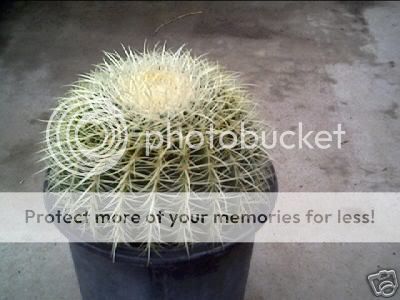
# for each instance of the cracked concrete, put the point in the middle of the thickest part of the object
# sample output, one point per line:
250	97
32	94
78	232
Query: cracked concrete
316	63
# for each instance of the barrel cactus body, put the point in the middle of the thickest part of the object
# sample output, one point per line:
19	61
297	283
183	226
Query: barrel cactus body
155	121
102	135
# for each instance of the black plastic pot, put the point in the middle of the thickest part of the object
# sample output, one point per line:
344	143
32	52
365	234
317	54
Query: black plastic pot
216	273
212	271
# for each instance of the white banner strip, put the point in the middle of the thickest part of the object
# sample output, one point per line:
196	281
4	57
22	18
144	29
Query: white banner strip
282	217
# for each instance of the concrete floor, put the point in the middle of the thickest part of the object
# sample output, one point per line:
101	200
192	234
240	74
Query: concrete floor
316	63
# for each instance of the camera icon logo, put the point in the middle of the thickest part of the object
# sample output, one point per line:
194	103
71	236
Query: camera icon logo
384	283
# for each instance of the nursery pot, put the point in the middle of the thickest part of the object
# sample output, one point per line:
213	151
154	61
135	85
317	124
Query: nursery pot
211	271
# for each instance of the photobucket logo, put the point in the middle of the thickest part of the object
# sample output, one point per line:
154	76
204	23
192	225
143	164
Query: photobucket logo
245	139
86	138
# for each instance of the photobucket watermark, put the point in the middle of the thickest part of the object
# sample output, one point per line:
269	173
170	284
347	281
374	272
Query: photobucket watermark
87	141
245	139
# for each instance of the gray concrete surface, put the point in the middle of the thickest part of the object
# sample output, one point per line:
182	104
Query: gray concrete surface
318	63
